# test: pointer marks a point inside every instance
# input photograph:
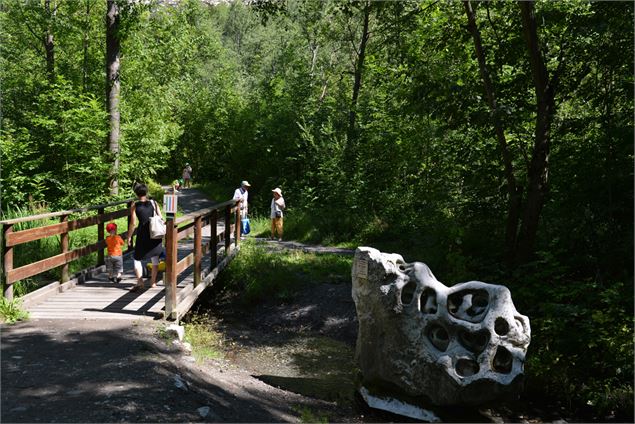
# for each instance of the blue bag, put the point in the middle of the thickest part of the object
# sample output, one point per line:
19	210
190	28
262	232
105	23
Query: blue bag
245	226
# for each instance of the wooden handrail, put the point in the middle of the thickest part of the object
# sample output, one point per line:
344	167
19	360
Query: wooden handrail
192	223
206	211
61	213
32	234
14	238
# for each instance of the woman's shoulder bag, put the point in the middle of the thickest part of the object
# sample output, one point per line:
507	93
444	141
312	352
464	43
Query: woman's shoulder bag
157	224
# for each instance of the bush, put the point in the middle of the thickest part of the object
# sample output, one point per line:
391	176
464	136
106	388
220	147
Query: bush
261	274
155	191
11	311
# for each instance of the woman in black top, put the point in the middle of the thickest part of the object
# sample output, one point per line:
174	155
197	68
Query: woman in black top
146	248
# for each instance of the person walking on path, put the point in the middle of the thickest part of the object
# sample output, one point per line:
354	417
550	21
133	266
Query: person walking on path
242	194
187	176
114	261
277	206
146	248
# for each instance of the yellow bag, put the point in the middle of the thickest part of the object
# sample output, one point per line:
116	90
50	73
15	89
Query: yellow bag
161	266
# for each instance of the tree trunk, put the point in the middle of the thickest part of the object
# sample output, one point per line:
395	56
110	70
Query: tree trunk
351	138
539	166
112	90
514	193
49	45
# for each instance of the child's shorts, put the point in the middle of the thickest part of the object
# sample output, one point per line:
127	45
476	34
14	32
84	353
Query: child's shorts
114	265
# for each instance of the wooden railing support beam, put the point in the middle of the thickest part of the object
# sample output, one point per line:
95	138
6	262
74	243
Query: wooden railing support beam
213	242
64	242
228	229
171	252
100	237
237	226
198	249
7	261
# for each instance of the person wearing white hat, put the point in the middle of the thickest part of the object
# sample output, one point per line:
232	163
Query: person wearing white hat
277	206
242	194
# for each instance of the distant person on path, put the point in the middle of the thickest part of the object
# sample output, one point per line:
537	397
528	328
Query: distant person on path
114	261
146	248
277	206
187	176
242	194
176	185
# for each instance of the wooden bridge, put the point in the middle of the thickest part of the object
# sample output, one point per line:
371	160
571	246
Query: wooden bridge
198	246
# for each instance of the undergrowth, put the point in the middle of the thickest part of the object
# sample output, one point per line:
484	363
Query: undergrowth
11	311
262	274
206	341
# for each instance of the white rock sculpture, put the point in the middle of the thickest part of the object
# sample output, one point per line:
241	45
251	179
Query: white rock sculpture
464	344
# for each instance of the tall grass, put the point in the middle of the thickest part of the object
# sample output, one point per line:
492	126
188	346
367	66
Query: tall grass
11	311
261	274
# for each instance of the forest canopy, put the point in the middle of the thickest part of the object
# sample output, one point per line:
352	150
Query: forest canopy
486	138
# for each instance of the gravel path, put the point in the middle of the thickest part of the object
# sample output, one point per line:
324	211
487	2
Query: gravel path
101	371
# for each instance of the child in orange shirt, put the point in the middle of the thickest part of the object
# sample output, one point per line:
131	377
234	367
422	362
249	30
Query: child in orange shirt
114	261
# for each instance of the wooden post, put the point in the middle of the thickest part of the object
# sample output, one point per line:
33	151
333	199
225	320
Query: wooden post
238	225
100	237
7	252
64	277
213	243
198	248
171	257
228	229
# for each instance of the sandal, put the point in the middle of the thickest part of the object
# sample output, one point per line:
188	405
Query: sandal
137	288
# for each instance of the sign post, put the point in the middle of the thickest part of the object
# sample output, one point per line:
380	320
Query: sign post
169	204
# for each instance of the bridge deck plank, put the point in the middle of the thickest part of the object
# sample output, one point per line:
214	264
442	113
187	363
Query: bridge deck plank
98	298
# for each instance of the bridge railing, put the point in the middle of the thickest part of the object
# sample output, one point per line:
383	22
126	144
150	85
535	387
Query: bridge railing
194	223
12	238
176	229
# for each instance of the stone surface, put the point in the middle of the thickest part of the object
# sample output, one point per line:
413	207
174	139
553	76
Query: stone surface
175	330
399	407
464	344
203	411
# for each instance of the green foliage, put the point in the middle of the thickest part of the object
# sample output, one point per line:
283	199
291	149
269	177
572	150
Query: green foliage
261	273
263	92
206	341
308	416
11	311
155	190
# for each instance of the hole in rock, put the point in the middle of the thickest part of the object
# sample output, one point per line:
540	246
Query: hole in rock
501	326
408	292
439	337
466	367
469	305
429	302
502	361
474	342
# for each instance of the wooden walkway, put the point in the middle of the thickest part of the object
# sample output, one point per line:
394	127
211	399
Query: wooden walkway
98	298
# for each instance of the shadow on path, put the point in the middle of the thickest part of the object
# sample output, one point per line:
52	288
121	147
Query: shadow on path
89	371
